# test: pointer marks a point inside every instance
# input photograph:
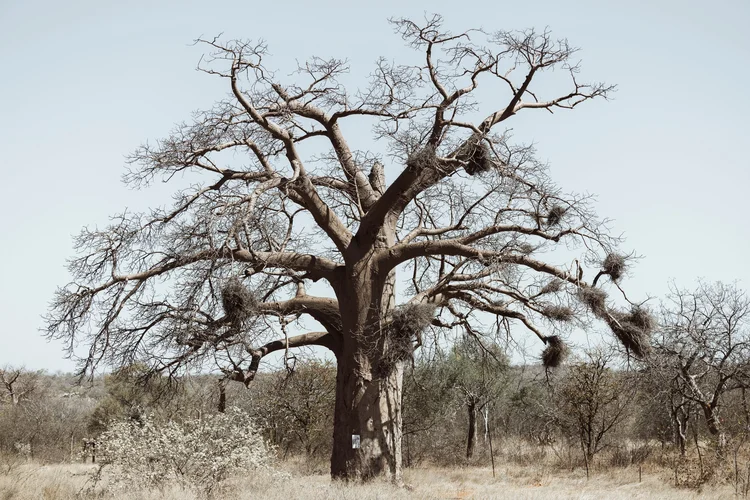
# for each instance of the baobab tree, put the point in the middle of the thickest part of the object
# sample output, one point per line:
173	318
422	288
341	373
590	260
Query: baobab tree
283	206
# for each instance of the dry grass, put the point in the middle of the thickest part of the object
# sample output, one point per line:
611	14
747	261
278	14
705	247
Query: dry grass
58	482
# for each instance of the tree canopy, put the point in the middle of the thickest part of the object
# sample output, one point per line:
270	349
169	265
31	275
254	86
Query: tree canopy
469	218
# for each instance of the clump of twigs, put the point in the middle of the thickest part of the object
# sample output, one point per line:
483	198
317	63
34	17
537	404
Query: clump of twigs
555	352
555	285
407	323
642	318
423	159
633	329
558	313
238	302
595	299
477	157
614	265
555	215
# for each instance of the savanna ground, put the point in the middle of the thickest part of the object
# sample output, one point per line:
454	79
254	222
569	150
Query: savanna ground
296	478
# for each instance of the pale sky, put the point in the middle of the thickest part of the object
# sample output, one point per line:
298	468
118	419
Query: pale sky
83	83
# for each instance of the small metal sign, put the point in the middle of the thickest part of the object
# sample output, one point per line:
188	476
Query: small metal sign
355	441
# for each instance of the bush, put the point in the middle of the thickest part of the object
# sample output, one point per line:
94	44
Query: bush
197	452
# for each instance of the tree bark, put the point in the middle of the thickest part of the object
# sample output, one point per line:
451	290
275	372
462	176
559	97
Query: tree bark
369	378
681	420
222	405
368	404
714	426
472	436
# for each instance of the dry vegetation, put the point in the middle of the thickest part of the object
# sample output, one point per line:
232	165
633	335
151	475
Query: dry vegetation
514	480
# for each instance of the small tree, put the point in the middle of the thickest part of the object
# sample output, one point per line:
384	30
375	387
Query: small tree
593	399
663	389
298	407
130	394
479	378
704	340
428	405
18	383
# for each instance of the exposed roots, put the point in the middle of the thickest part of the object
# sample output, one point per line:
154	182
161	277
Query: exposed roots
555	352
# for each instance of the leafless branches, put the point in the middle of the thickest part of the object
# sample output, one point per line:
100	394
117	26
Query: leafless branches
470	216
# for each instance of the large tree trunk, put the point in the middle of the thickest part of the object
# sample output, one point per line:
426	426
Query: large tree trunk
369	378
472	437
368	405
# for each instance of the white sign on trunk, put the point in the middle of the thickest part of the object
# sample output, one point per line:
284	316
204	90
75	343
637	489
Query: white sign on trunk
355	441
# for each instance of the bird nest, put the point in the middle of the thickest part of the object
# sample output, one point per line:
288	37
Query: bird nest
633	329
407	322
614	265
555	352
558	313
423	159
477	157
595	299
555	285
555	215
238	302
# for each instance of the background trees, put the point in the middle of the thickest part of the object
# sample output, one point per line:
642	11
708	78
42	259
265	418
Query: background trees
593	401
704	346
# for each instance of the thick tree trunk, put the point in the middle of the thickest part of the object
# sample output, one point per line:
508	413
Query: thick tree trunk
369	379
472	436
368	405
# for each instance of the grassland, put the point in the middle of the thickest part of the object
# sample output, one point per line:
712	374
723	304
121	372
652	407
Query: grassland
70	481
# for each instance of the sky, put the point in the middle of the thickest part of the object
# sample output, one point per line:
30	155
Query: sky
83	83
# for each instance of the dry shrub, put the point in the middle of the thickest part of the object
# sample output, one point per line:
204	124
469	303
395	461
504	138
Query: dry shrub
625	456
195	452
239	304
614	265
555	215
555	352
